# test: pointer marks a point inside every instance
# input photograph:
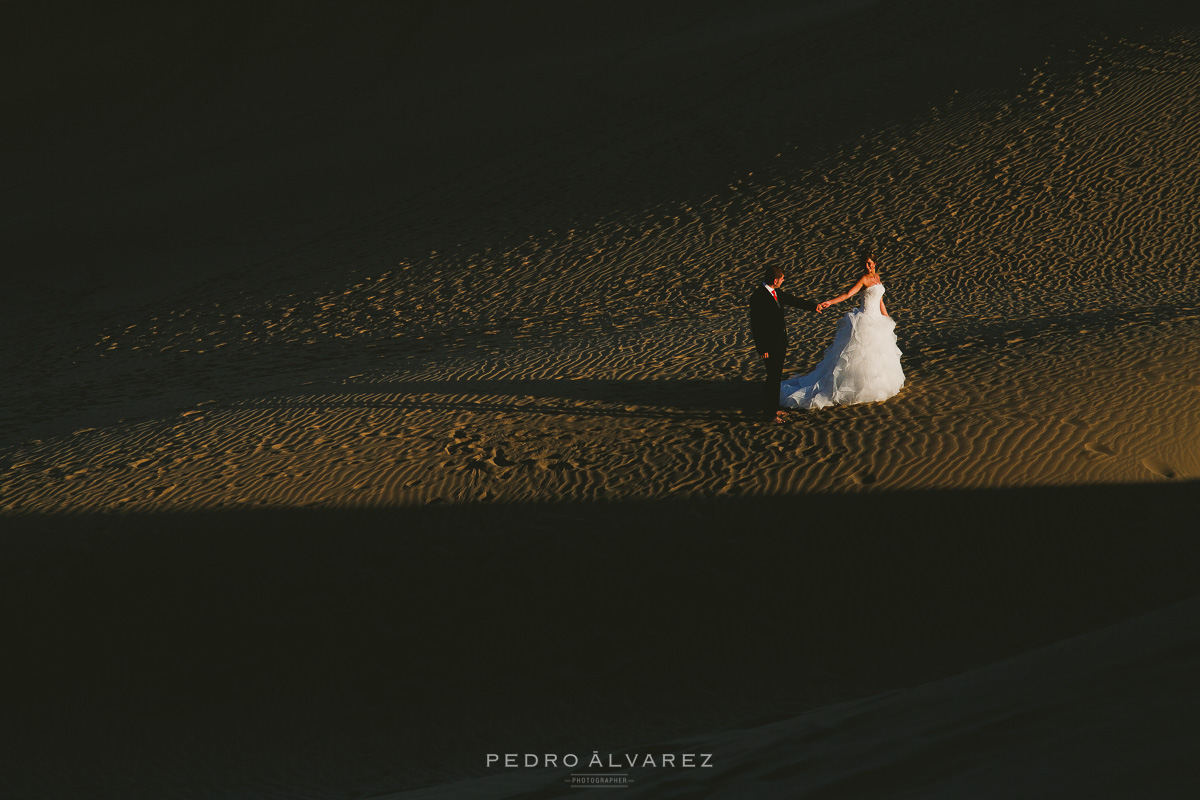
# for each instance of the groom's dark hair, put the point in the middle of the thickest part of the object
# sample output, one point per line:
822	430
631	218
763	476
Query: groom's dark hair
772	272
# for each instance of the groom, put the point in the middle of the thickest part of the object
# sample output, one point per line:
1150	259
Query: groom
770	334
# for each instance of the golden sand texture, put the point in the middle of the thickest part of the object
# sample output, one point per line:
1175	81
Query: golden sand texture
1036	245
985	420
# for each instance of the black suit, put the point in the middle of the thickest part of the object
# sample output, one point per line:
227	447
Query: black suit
770	336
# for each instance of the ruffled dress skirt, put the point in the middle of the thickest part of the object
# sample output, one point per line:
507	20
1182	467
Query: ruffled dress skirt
862	365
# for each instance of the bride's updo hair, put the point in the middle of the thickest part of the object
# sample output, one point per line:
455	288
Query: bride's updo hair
862	263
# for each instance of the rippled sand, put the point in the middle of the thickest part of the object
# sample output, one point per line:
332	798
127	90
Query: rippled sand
441	278
1036	243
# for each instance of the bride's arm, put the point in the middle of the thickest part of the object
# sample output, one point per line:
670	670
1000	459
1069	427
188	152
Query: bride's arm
843	296
882	307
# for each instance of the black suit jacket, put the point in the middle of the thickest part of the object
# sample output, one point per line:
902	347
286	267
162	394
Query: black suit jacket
766	318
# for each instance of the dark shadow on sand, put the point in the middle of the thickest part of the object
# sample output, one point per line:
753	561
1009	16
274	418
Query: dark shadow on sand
350	653
691	400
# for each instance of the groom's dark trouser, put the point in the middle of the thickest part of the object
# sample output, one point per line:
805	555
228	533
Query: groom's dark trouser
770	397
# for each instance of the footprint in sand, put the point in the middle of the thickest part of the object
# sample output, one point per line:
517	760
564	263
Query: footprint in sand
500	460
475	466
1098	448
1159	468
863	478
556	463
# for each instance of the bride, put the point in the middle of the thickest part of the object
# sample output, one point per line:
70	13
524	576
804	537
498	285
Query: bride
863	363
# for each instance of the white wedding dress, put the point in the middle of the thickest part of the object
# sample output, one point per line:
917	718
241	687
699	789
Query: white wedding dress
861	366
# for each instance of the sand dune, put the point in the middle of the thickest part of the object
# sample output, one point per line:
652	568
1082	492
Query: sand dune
492	263
562	429
1035	244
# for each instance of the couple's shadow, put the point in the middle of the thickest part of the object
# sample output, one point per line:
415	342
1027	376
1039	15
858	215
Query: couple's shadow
726	399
